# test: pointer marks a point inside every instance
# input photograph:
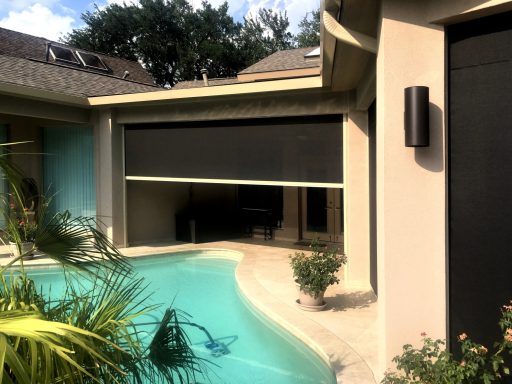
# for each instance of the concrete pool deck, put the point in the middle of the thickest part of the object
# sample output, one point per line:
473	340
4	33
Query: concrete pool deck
344	334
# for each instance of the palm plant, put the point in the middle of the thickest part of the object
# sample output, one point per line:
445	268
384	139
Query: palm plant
89	334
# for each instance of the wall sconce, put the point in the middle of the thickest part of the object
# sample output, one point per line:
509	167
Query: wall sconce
416	117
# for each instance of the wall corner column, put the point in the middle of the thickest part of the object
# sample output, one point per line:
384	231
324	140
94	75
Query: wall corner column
411	183
356	194
110	182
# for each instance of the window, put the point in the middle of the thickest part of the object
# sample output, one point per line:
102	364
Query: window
90	60
63	54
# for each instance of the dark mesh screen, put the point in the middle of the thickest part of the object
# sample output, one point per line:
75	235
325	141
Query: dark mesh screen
480	159
291	150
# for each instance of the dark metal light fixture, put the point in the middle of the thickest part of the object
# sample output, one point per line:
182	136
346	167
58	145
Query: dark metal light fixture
416	117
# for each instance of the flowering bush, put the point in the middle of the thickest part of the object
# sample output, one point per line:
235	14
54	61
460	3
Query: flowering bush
432	364
20	225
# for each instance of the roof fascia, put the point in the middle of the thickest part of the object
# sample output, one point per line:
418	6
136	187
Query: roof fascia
208	92
41	94
274	75
18	106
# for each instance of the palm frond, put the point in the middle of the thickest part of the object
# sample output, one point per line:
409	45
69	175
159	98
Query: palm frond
76	242
170	353
34	349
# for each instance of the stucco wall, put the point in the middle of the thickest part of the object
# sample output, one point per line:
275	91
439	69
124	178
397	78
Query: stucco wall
151	209
356	192
411	192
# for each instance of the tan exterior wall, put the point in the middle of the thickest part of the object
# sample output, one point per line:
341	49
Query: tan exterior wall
151	209
411	192
26	129
356	197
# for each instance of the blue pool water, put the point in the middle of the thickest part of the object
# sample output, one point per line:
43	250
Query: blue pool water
205	288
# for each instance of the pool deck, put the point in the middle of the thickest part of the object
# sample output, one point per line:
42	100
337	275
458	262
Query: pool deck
344	334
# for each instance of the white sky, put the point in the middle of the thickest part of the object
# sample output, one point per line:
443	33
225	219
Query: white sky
53	18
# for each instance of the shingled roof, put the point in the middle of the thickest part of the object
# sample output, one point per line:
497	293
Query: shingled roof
55	78
289	60
24	61
285	60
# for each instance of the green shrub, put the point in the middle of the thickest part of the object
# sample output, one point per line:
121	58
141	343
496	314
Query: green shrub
432	364
318	270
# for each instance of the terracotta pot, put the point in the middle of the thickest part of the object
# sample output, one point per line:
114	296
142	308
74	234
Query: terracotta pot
27	249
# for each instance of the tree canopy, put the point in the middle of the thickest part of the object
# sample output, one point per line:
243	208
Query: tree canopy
309	30
174	41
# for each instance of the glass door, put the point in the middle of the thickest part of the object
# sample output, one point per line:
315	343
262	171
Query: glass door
322	214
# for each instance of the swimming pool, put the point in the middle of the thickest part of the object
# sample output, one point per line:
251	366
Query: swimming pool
203	285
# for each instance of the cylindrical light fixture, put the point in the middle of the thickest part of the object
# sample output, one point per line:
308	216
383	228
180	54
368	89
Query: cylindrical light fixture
416	117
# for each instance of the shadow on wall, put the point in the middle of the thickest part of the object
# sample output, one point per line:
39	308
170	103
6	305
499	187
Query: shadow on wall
352	300
431	158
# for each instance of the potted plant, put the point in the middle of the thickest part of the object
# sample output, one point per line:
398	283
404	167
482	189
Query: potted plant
314	273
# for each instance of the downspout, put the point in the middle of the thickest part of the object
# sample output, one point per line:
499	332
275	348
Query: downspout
348	36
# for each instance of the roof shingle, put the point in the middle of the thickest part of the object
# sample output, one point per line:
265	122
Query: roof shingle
285	60
25	46
72	82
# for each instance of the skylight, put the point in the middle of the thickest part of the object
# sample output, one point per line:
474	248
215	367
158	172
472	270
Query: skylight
90	60
63	54
315	52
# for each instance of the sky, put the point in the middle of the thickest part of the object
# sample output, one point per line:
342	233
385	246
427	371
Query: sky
54	18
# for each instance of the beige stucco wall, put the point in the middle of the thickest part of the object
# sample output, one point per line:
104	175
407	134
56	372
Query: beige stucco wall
411	192
29	130
356	194
151	209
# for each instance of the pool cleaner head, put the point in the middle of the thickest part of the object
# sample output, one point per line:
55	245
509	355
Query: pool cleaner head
217	349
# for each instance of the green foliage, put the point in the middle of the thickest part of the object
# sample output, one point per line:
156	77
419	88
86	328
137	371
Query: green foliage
175	42
89	334
309	30
433	364
318	270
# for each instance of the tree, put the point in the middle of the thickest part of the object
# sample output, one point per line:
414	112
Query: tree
111	30
309	30
264	34
172	40
175	42
214	42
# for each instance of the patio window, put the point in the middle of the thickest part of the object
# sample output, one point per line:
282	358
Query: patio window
68	169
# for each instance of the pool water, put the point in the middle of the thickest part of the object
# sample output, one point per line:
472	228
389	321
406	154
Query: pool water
205	288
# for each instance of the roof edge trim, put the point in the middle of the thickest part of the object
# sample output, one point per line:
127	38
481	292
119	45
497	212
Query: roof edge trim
41	94
206	92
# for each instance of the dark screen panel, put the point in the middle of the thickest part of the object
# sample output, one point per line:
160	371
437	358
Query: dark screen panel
290	150
480	168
